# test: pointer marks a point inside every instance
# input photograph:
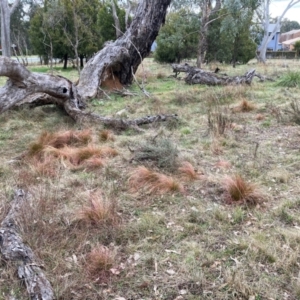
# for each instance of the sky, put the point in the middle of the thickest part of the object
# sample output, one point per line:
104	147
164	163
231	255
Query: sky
278	6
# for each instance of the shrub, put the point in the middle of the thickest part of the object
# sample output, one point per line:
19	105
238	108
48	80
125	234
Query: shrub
238	191
162	152
152	182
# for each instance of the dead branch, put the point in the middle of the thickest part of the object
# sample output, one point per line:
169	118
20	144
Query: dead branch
263	78
13	249
124	92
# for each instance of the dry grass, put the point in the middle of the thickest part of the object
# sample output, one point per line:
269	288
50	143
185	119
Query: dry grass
106	135
45	167
154	244
59	140
143	179
98	263
238	191
99	211
223	164
77	156
187	171
244	106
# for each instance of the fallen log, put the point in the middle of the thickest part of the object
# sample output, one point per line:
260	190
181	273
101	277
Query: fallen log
13	249
117	61
199	76
28	88
209	78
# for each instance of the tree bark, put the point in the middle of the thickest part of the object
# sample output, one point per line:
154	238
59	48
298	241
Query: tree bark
13	249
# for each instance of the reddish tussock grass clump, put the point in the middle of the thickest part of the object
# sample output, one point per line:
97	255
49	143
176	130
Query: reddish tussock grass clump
259	117
99	211
244	106
223	164
153	182
187	171
76	156
98	263
60	139
106	135
238	191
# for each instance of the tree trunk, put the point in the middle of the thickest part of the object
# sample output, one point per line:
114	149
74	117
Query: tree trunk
5	28
81	60
6	12
123	57
65	61
119	59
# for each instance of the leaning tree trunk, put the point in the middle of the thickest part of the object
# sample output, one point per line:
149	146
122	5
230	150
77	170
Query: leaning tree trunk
121	59
118	60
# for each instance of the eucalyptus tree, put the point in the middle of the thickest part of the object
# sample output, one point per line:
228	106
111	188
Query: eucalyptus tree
264	15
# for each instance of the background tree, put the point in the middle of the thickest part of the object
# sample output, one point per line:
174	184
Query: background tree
264	15
297	48
6	12
237	26
287	25
19	31
178	39
45	33
106	22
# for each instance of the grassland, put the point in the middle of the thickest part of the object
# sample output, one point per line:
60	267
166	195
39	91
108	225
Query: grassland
205	207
